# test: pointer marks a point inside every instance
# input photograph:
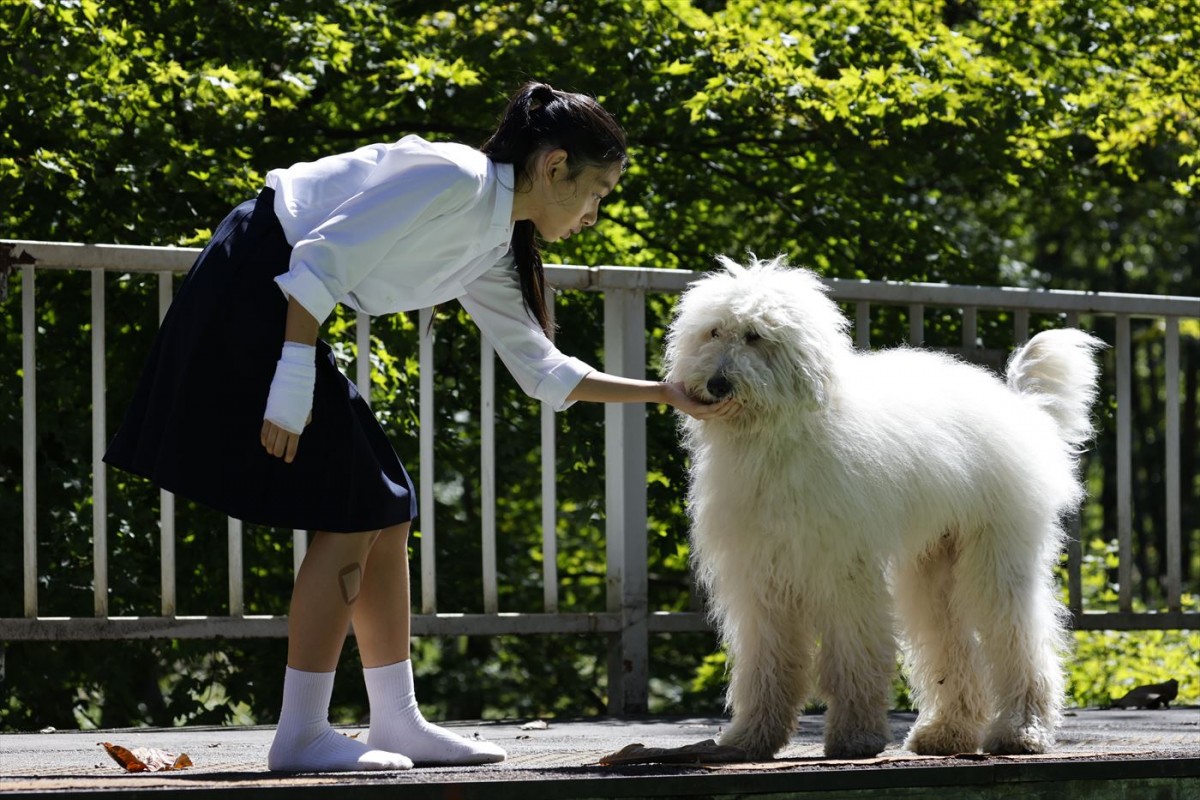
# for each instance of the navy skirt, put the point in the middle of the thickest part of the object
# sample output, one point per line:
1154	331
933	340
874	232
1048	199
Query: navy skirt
194	423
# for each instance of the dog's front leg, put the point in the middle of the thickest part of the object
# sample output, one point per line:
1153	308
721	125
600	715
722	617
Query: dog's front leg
856	664
771	655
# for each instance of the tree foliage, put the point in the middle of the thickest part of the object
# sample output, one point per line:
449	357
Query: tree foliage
1046	143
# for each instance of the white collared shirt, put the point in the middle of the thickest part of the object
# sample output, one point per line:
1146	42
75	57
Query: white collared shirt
410	224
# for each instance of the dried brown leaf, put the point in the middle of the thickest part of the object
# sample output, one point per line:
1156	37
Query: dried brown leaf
706	752
146	759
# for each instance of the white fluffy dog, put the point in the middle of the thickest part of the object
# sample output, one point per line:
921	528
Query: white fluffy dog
854	485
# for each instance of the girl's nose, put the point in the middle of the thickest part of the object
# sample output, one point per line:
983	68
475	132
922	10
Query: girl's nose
589	216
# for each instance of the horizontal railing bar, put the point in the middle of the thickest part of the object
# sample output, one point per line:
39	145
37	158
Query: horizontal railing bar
511	623
113	257
252	627
136	258
1135	621
55	629
1008	297
678	622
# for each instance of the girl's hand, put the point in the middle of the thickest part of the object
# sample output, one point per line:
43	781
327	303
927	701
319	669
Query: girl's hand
290	399
280	442
678	397
600	387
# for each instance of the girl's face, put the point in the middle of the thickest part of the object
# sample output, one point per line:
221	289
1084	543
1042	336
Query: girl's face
567	205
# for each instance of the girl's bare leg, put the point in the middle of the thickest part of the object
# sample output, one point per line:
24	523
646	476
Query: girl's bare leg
382	628
327	589
381	615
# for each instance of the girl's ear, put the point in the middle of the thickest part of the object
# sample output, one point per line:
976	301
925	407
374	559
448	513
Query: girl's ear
554	164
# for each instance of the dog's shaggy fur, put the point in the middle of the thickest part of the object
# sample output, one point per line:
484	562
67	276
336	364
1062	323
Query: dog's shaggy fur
853	486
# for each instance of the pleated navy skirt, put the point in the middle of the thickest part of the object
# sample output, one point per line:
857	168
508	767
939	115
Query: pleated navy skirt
194	423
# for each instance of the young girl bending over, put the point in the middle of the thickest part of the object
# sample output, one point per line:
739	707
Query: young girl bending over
242	408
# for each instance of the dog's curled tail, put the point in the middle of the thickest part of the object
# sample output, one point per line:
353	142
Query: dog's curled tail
1057	369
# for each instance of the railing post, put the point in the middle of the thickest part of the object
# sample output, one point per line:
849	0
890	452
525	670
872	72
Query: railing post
487	475
425	513
1124	349
1074	567
1171	470
916	324
99	485
362	356
29	438
549	502
970	332
166	500
862	324
237	601
625	506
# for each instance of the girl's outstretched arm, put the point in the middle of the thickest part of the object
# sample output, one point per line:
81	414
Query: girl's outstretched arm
600	387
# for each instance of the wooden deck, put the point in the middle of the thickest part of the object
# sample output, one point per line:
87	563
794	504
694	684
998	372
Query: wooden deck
1101	754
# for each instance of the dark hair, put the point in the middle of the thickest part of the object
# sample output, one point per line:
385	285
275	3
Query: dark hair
538	118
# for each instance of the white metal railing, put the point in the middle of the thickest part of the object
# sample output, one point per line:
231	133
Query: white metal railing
627	619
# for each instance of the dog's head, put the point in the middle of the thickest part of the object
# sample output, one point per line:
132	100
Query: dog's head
765	333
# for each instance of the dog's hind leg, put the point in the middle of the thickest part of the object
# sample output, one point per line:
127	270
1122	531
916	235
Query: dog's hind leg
856	663
771	655
1020	620
941	655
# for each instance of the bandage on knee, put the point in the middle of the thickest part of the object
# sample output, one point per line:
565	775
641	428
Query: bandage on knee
350	582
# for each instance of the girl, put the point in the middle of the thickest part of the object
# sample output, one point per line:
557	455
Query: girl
385	228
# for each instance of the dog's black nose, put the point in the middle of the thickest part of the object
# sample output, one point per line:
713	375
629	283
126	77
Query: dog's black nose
719	386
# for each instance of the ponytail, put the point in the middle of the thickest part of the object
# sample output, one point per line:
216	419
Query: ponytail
539	117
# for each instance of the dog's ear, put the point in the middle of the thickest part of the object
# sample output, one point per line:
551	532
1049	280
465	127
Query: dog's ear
802	369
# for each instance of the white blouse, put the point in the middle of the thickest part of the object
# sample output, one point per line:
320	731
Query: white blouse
410	224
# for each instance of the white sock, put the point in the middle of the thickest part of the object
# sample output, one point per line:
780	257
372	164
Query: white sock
305	741
397	724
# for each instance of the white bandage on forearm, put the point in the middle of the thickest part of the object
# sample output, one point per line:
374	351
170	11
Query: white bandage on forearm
291	395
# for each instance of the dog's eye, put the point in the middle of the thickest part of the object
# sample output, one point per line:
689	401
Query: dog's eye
752	337
716	334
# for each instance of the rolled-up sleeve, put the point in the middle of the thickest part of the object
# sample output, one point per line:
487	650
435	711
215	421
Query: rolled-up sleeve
309	290
541	370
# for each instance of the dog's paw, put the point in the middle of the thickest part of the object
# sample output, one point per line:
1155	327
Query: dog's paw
1030	737
757	744
855	744
935	739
